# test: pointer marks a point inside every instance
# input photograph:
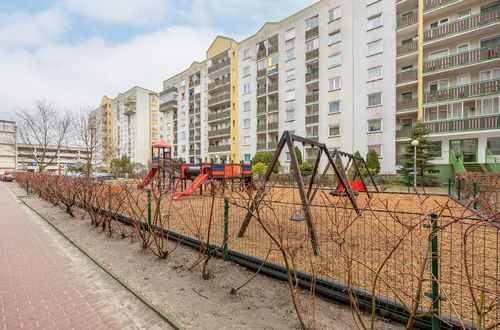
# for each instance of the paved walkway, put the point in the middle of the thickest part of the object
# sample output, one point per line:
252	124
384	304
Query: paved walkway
45	282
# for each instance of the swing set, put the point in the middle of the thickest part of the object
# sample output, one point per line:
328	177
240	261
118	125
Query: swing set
307	194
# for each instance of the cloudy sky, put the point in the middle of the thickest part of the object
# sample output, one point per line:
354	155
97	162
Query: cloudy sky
71	52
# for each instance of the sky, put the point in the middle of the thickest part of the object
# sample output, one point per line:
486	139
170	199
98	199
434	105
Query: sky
70	53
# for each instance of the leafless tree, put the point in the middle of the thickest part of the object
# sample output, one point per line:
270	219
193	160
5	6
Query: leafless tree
89	137
44	130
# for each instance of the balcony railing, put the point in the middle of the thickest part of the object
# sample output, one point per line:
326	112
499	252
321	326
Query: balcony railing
272	126
220	98
261	145
404	132
492	156
262	128
261	54
261	73
312	33
313	75
401	159
406	76
313	54
272	88
261	90
219	132
407	19
406	104
312	98
220	148
272	107
272	50
456	60
433	4
218	66
194	97
464	124
312	119
129	100
272	145
261	108
406	48
130	109
169	105
169	90
487	17
219	82
480	88
219	115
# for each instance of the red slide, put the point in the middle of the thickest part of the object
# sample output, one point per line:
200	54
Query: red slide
192	187
148	178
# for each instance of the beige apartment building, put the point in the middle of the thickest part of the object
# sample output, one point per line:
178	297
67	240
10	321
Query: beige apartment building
8	149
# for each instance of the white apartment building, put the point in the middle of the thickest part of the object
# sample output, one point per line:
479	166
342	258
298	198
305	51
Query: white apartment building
8	150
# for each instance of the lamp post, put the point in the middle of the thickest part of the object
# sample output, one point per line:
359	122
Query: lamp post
415	143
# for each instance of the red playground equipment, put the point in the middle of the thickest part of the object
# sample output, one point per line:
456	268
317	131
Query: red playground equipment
172	174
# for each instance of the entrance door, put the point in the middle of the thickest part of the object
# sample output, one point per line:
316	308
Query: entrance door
466	150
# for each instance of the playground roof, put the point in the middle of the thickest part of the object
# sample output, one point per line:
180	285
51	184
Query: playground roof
162	144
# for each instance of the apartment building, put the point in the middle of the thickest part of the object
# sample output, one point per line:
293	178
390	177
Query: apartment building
448	76
8	148
66	158
135	124
102	120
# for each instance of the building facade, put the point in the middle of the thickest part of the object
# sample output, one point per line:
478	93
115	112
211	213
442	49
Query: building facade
8	147
66	158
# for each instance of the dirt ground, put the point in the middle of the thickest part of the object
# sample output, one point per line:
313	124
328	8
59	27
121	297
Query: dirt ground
182	293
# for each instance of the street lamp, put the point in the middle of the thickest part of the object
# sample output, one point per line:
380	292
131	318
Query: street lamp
415	143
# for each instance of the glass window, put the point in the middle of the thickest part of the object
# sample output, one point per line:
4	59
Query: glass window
312	44
462	48
334	130
273	60
312	22
374	21
246	53
377	148
246	123
375	99
290	34
290	95
261	65
290	54
438	54
334	84
247	158
154	117
435	148
290	74
334	60
246	140
375	125
488	42
246	88
334	14
334	37
375	73
493	144
246	71
375	47
334	107
246	106
290	114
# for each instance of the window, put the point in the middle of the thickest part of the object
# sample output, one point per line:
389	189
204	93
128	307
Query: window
374	99
290	115
334	107
438	54
374	21
154	135
439	23
247	158
183	148
290	95
312	22
377	148
246	140
246	123
312	44
334	130
246	71
375	125
153	126
375	47
490	74
290	54
436	85
334	14
334	60
334	84
493	144
375	73
154	107
491	41
463	48
246	106
262	65
407	68
153	98
246	53
287	158
154	117
290	74
435	149
246	88
290	34
334	37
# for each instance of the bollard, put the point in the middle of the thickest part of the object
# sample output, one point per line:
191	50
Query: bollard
226	228
475	195
436	323
149	207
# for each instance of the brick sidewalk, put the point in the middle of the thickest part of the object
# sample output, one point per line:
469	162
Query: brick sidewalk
45	282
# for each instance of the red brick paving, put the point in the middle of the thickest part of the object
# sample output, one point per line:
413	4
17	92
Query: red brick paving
47	283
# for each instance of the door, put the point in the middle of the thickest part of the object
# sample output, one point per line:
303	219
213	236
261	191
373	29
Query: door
466	150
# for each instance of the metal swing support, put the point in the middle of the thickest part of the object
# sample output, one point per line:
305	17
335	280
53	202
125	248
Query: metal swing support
289	139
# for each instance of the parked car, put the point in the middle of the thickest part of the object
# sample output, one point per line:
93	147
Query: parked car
10	175
104	176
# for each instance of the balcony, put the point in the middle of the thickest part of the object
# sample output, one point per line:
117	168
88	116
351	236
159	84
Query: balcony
219	82
261	54
312	119
480	88
261	90
464	124
406	76
312	33
462	59
401	159
194	138
261	108
262	128
218	66
272	107
404	132
406	104
169	105
226	114
261	145
272	88
169	90
434	4
261	73
312	76
312	98
194	152
220	148
272	145
272	126
407	20
407	48
219	132
131	109
194	97
129	100
220	98
272	49
468	23
313	54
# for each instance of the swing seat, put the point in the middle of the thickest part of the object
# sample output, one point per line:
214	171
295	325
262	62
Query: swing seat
356	186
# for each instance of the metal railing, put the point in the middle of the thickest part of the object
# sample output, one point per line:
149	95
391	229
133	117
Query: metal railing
464	124
407	20
406	76
480	88
461	59
406	48
406	104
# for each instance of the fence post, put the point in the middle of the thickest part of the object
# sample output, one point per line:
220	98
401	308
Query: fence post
475	194
458	189
436	323
449	186
226	228
149	207
27	187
